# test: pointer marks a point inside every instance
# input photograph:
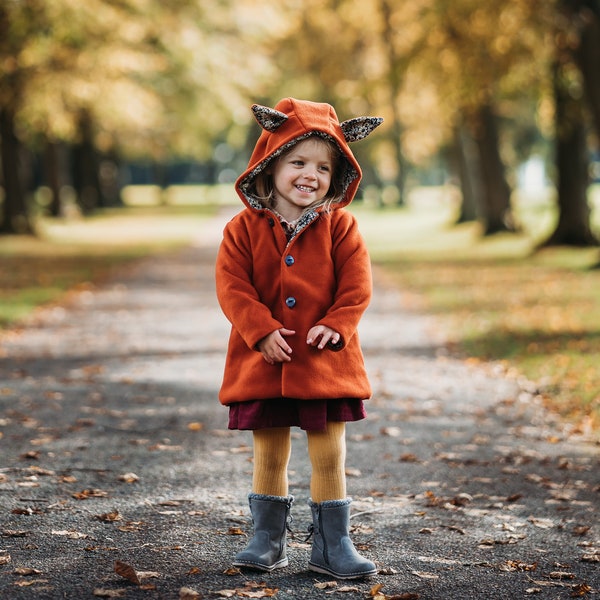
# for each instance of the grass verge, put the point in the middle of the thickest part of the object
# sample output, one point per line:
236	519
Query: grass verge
496	299
70	253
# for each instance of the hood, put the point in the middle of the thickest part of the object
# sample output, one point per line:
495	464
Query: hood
294	120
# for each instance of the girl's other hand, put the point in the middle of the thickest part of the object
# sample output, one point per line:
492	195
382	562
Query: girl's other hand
274	348
320	336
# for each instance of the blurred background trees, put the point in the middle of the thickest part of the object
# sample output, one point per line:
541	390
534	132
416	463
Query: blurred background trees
471	92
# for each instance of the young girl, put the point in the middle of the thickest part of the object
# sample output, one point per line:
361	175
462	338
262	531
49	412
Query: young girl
293	278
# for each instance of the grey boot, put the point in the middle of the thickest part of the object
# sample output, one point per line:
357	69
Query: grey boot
267	549
332	550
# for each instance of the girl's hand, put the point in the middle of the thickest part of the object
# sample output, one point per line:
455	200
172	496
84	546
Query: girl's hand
325	334
274	348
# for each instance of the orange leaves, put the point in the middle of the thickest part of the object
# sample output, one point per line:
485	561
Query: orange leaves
109	517
127	571
89	493
129	478
251	589
376	592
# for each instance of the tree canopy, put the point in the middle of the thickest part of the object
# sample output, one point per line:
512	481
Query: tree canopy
145	78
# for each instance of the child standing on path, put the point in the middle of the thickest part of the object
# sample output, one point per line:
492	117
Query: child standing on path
293	278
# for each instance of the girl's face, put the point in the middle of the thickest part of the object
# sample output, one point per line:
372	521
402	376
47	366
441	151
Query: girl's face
302	177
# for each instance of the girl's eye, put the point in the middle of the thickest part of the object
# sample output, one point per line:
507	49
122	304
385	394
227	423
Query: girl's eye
324	167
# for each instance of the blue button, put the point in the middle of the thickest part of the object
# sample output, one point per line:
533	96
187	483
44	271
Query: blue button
289	260
290	302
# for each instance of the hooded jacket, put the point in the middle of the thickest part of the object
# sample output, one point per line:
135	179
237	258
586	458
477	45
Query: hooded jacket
320	276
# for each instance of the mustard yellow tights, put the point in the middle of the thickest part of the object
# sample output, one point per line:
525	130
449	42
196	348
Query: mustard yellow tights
327	453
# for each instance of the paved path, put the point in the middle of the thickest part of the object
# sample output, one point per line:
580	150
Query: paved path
113	447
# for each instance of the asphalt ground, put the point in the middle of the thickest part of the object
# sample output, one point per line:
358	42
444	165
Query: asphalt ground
118	477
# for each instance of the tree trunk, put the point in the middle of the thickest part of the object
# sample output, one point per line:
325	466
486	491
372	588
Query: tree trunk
495	200
85	169
15	218
52	176
587	53
464	161
395	85
573	227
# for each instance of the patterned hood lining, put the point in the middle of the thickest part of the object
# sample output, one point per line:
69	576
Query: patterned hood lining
349	175
292	121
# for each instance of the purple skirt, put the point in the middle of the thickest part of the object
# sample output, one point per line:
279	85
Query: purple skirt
310	415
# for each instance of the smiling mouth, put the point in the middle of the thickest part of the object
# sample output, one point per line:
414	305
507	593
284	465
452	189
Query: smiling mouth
304	188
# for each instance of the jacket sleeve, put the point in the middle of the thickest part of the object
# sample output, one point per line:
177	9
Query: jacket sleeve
353	277
239	299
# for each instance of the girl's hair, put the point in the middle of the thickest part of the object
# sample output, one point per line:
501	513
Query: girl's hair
262	188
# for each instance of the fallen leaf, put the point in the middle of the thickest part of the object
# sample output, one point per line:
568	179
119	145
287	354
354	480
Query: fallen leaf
42	441
517	565
541	523
40	471
109	517
68	479
26	571
29	582
561	575
4	559
89	493
148	574
132	526
409	458
32	483
165	448
391	431
126	571
31	455
235	531
581	589
377	594
102	593
12	533
72	535
593	558
425	575
252	589
345	589
188	594
195	426
324	585
129	478
26	511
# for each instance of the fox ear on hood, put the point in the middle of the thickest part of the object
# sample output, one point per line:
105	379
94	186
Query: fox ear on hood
268	118
359	127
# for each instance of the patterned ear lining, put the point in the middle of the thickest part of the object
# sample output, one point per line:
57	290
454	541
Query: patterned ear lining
359	127
268	118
